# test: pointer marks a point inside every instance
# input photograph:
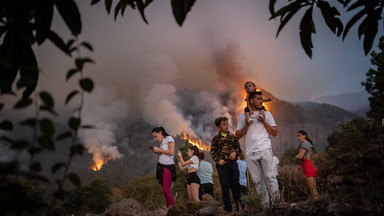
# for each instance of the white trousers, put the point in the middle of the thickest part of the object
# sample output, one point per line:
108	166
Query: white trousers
261	168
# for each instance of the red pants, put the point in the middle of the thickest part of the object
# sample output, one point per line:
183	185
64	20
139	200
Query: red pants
309	168
166	186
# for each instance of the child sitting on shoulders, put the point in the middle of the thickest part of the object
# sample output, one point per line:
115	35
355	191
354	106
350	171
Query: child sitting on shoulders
249	113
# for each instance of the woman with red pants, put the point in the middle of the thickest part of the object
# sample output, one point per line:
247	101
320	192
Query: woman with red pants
305	155
166	171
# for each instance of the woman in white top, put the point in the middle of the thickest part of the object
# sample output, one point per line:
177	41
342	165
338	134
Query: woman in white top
192	164
166	171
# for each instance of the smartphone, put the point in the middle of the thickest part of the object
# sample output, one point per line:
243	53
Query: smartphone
151	147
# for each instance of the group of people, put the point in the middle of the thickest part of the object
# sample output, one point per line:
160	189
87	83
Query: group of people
256	124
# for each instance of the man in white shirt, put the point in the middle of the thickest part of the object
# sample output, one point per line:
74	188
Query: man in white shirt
259	156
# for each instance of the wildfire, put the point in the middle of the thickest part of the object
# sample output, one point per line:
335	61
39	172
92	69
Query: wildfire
196	142
99	160
98	164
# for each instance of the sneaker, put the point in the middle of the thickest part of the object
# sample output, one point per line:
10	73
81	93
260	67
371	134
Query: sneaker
260	118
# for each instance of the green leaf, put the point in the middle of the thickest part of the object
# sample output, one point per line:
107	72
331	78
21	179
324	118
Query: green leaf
64	135
77	149
35	167
86	84
74	123
307	27
59	43
57	166
74	178
70	14
46	142
19	144
43	19
47	127
29	122
24	102
71	95
71	72
6	125
81	61
88	46
180	9
108	5
47	99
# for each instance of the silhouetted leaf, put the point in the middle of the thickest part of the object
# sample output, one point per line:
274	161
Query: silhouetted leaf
74	123
1	106
352	21
6	139
43	19
57	166
64	135
108	5
19	144
6	125
56	39
81	61
329	14
71	72
286	14
70	14
87	45
307	27
180	9
29	72
46	98
34	150
86	84
70	96
272	7
29	122
371	29
47	127
77	149
48	109
35	167
94	2
24	102
74	178
46	142
87	127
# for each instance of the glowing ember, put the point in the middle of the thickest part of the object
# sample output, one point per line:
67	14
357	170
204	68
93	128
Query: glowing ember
97	166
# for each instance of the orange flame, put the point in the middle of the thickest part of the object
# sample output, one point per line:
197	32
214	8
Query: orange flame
98	164
99	160
196	142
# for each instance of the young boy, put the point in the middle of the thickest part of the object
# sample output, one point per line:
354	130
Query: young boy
225	148
251	87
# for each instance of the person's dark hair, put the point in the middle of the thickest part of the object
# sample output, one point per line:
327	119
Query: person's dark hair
249	82
195	150
201	155
219	120
160	129
303	132
253	94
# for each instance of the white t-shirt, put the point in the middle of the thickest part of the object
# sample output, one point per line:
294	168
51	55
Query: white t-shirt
166	159
257	137
194	164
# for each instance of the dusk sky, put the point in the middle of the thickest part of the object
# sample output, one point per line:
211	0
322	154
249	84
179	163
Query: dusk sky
126	47
164	74
176	77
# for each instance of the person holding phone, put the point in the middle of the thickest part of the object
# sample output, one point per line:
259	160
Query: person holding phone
165	171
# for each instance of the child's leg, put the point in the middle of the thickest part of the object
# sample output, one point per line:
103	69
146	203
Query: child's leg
311	182
189	190
195	191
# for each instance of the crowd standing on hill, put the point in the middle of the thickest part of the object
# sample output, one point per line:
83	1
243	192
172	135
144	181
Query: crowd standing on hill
256	124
